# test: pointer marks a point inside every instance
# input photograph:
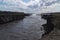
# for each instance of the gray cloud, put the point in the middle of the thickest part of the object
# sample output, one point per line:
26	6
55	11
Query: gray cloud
32	6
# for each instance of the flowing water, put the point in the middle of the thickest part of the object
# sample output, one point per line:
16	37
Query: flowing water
27	29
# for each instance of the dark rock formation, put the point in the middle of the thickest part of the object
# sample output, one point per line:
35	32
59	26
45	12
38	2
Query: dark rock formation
56	20
52	18
49	26
6	16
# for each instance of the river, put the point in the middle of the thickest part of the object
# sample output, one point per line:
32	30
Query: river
27	29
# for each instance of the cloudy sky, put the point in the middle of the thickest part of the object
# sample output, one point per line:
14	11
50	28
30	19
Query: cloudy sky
30	6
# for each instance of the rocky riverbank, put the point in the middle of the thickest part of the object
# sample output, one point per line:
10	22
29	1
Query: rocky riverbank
52	18
6	16
49	26
30	28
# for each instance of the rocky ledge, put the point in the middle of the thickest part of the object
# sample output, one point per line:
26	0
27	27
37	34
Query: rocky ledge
53	21
48	27
54	18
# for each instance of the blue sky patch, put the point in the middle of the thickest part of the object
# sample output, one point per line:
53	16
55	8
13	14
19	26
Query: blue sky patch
26	1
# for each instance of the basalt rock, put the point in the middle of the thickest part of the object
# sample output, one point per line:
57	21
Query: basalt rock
6	16
53	18
49	26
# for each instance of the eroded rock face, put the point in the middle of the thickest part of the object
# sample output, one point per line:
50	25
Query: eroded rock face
49	26
53	18
6	16
9	18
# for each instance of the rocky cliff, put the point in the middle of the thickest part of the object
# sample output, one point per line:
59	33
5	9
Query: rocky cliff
6	16
55	20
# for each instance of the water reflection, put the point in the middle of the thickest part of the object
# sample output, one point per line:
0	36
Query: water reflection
29	29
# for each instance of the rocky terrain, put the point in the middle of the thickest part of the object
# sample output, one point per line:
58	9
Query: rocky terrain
53	35
6	16
55	20
21	26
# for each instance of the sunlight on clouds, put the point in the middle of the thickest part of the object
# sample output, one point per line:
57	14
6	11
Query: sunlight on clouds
11	4
29	5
